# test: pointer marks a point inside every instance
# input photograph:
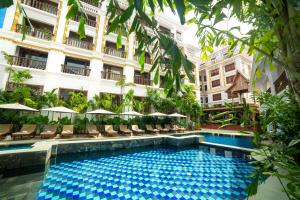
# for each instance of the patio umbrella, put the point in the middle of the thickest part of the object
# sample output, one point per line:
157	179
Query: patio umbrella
157	114
132	113
101	111
59	109
16	106
177	115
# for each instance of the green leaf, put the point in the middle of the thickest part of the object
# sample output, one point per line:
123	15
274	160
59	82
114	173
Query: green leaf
156	76
293	142
127	14
134	24
180	7
119	39
252	188
161	5
113	25
152	6
6	3
73	10
81	29
142	61
219	17
171	5
257	73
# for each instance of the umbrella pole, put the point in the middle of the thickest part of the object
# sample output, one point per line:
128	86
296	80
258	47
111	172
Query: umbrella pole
85	122
52	115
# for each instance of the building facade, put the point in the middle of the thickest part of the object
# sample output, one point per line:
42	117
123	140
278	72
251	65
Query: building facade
218	74
57	59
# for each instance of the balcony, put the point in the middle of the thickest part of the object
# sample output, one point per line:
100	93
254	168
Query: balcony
114	52
44	6
44	34
111	76
75	70
79	43
89	22
142	80
116	31
30	63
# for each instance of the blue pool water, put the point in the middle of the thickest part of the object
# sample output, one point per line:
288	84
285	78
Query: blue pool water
15	147
153	173
237	141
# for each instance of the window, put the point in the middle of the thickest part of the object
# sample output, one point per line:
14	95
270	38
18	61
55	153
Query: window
215	83
217	97
229	67
214	72
178	36
205	87
232	96
116	98
35	89
230	79
206	99
204	78
281	83
200	78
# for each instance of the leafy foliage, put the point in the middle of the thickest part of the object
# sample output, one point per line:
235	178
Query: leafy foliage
278	142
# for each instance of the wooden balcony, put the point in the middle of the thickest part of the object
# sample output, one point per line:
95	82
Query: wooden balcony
114	52
30	63
142	80
112	76
89	22
79	43
75	70
38	33
41	5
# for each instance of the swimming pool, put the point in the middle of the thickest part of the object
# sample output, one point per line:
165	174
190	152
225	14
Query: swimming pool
15	147
151	173
238	141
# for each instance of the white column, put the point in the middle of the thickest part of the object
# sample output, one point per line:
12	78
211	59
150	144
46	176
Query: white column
96	67
10	48
222	76
131	46
198	96
197	80
62	22
128	71
9	16
102	27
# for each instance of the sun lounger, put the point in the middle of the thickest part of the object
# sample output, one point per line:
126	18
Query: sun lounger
67	131
49	131
109	131
136	131
180	128
124	130
4	129
150	129
161	129
168	126
27	130
93	131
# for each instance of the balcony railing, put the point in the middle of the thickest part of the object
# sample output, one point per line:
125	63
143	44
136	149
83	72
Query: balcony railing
30	63
89	22
111	76
38	33
142	81
75	70
41	6
114	52
116	31
91	2
79	43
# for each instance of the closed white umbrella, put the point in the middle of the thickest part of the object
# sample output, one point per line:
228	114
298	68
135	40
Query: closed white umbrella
60	109
157	114
16	106
132	113
101	111
177	115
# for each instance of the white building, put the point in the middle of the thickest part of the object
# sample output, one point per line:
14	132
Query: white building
218	74
56	57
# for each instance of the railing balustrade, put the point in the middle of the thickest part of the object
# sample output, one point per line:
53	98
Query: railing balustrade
79	43
75	70
111	76
41	6
114	52
30	63
91	2
89	22
142	80
38	33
